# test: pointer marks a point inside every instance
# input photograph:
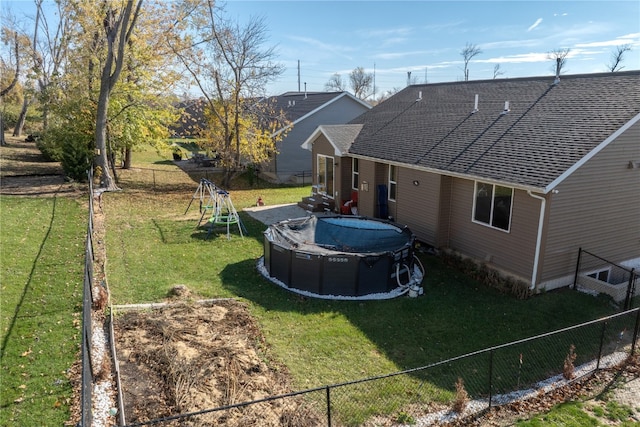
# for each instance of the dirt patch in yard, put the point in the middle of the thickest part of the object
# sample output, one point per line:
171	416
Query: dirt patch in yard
188	357
25	172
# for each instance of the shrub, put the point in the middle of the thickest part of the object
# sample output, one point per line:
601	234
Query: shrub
568	370
462	397
75	159
69	147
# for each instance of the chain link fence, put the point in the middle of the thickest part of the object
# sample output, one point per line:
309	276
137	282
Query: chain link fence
87	299
462	386
458	387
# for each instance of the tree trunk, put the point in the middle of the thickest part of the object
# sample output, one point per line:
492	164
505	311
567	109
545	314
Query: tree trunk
17	131
2	141
106	181
126	164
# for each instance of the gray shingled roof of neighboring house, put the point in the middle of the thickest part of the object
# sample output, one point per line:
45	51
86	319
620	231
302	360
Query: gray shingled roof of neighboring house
548	128
298	104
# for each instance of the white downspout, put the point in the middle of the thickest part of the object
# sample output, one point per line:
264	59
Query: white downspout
536	258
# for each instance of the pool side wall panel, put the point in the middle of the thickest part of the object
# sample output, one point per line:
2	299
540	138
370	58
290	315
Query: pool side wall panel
340	275
306	271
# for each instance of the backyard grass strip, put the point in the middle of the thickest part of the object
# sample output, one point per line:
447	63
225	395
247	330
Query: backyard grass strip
42	243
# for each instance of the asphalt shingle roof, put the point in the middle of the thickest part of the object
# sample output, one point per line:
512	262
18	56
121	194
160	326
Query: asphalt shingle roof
548	128
297	104
341	136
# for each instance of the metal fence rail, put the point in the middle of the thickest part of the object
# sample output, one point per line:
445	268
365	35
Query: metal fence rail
87	300
491	377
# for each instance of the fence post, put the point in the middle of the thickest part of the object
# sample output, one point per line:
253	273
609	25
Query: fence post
635	333
328	406
630	290
490	377
604	327
575	277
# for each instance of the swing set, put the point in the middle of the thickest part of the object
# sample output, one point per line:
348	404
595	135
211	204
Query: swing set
217	203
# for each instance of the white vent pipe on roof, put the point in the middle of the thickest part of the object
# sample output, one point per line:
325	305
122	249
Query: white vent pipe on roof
506	107
475	105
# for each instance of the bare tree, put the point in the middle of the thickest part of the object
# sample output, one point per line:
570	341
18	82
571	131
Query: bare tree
48	52
497	72
617	57
335	83
468	53
230	67
361	83
559	57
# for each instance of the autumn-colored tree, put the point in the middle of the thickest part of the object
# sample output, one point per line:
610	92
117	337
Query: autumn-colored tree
230	66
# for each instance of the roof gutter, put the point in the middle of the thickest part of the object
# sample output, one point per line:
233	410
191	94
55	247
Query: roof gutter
536	258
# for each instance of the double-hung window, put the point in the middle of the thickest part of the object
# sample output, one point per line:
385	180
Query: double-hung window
492	205
393	183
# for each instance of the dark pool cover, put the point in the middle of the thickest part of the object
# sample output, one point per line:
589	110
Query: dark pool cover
340	234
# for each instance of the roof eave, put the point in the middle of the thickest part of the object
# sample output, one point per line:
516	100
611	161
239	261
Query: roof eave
532	188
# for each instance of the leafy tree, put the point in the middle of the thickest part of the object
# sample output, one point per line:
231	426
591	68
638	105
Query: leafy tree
119	23
136	84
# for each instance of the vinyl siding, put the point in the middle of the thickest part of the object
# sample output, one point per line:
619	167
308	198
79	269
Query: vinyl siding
418	206
596	208
291	158
512	251
367	199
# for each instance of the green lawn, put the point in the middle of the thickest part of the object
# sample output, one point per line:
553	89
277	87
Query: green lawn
153	245
42	259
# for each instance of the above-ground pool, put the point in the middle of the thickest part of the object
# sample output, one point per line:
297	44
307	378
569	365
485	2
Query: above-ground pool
342	256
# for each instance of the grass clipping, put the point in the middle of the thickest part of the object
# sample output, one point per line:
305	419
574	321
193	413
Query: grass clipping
190	358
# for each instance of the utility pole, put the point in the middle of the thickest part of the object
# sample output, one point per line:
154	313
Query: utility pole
298	75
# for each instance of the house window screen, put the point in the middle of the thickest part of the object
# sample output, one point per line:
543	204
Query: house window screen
355	174
492	205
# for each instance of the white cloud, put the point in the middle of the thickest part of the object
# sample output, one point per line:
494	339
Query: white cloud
535	24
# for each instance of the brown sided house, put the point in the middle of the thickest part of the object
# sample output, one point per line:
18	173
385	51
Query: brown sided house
516	173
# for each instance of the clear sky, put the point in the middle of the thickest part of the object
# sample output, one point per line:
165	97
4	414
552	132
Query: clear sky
426	37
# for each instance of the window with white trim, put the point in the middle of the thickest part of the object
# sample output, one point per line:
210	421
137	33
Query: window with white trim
492	205
355	174
393	184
